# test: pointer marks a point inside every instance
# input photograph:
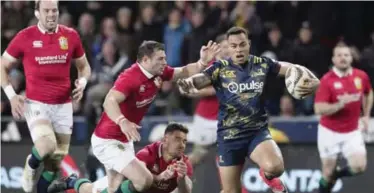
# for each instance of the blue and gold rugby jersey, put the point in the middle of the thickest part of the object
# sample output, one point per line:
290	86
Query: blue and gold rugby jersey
239	90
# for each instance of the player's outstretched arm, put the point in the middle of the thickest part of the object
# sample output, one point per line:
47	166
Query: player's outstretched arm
198	81
205	92
207	54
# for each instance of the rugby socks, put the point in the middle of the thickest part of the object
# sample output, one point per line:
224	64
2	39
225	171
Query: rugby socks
45	180
325	186
35	159
75	183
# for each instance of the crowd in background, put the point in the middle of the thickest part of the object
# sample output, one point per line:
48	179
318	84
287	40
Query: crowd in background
298	32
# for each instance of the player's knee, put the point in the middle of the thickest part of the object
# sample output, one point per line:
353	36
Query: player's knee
144	183
358	168
274	167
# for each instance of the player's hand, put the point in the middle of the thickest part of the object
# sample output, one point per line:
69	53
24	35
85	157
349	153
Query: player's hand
181	169
365	121
167	174
308	87
209	52
78	91
130	129
186	86
17	103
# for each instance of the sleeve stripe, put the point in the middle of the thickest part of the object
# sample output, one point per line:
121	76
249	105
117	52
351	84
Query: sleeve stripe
9	57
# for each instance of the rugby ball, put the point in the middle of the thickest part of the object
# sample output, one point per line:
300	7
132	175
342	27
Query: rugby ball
295	76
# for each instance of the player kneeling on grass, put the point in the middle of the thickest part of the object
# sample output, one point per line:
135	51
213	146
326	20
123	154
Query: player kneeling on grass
165	159
342	92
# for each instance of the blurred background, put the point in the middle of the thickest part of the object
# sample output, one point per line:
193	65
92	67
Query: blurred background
298	32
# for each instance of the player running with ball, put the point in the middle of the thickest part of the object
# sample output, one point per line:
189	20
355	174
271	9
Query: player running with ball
125	106
342	92
242	120
46	51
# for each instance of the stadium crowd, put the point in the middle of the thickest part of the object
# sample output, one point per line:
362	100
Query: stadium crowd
299	32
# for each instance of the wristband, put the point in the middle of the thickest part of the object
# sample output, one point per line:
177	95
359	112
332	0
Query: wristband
9	91
83	82
119	119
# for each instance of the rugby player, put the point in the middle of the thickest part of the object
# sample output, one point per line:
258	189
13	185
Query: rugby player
124	107
165	159
242	120
204	127
46	51
342	93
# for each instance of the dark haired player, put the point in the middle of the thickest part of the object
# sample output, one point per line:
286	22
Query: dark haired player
165	159
124	107
46	51
342	93
242	120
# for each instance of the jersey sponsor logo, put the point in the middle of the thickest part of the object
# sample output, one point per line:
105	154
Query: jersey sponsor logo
354	97
234	87
358	83
142	88
63	41
258	73
57	59
228	74
37	44
145	102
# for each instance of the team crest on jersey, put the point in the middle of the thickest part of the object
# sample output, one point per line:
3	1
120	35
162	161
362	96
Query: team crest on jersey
63	41
358	83
338	85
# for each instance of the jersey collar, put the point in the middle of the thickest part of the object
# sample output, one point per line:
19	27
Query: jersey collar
44	31
341	74
145	72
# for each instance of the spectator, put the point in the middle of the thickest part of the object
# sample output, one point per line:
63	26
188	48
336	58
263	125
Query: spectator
287	107
107	31
277	44
125	41
306	52
174	33
149	26
65	19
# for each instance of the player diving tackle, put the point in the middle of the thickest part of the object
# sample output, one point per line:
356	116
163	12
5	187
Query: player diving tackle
242	120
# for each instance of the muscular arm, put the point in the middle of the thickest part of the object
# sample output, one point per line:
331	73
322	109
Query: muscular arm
367	103
327	108
284	67
189	70
201	81
185	185
83	67
111	104
207	91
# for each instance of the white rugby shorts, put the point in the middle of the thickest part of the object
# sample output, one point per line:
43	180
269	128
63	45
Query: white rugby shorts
203	131
60	116
113	154
331	143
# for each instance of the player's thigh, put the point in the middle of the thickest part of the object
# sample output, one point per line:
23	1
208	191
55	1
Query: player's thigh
266	153
61	116
38	122
355	151
114	179
230	178
113	154
138	174
329	143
